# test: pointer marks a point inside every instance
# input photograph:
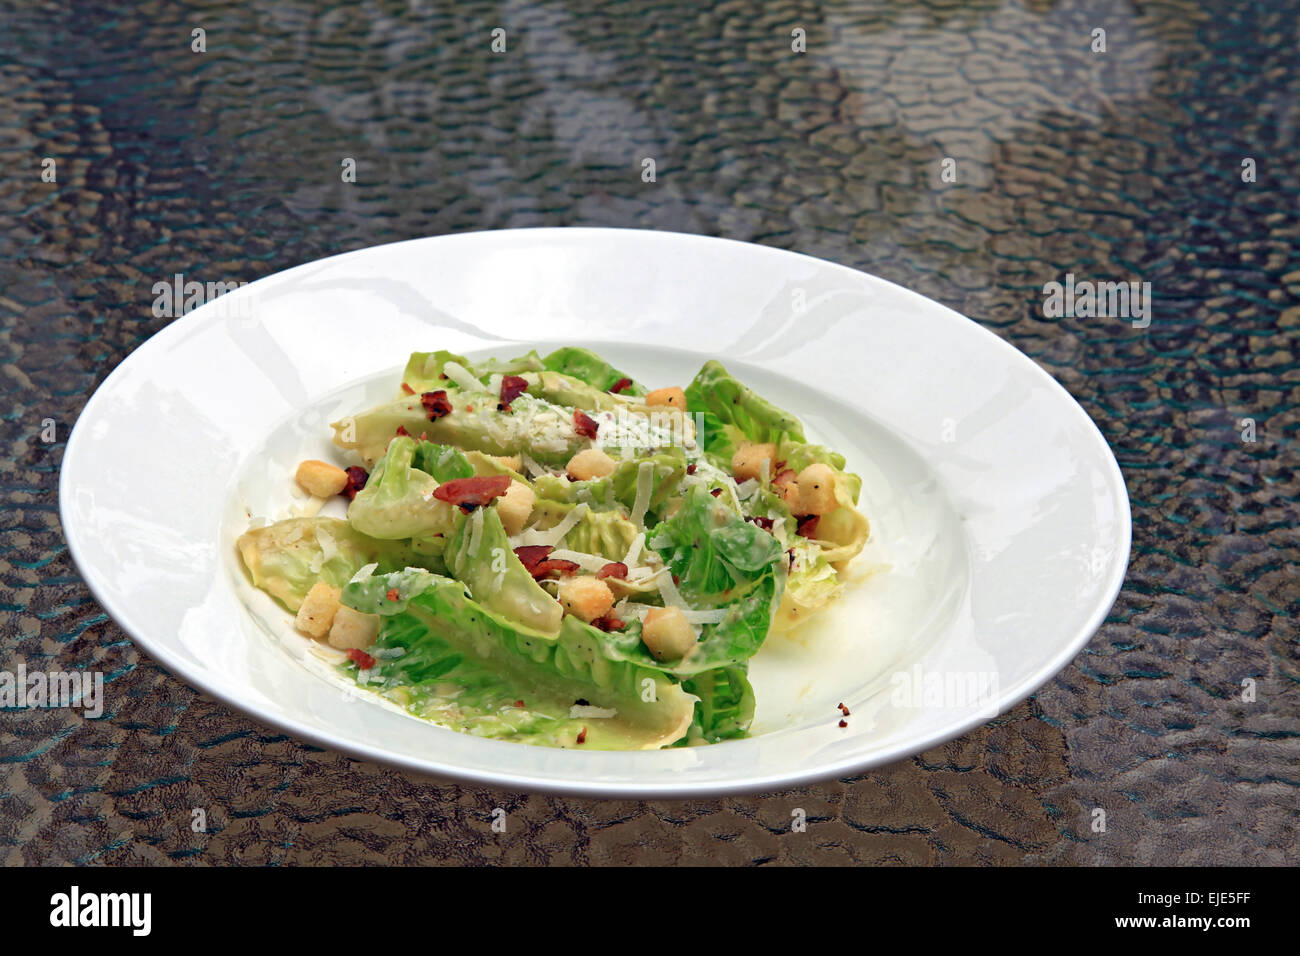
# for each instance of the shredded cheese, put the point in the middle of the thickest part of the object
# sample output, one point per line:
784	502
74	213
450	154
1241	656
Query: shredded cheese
475	530
633	556
644	483
365	571
461	376
588	562
553	536
672	597
584	711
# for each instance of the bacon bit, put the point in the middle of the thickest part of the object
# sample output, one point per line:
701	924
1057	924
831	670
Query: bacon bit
844	723
715	492
621	384
584	425
512	386
436	404
790	554
470	493
762	522
357	478
779	466
807	525
360	658
690	469
785	476
615	569
543	568
401	430
407	389
844	710
519	703
393	595
676	579
530	555
608	622
582	737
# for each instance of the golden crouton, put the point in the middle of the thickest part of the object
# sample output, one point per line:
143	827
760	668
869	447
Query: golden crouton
816	485
353	629
672	397
586	597
748	460
321	478
515	506
667	633
316	615
590	463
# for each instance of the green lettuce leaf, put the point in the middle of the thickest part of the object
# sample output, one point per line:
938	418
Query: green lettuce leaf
586	365
443	462
398	501
480	557
665	470
423	372
286	558
448	658
534	427
810	585
726	704
713	550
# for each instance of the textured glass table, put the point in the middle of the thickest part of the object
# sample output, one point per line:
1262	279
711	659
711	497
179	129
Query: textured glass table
975	152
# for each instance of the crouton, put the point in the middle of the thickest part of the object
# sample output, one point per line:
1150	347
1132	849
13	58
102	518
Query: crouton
515	506
321	478
353	629
672	397
590	463
816	485
316	614
667	633
748	460
585	597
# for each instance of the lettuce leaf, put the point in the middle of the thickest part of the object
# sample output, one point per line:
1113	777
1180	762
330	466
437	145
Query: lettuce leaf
423	372
810	585
286	558
479	556
586	365
713	550
534	427
443	462
397	501
666	469
726	703
446	657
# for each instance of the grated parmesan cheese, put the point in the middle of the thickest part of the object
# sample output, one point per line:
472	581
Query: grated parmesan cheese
588	562
461	376
644	483
553	536
633	556
584	711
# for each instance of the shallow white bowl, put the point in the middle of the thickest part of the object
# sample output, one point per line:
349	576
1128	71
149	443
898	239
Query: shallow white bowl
1000	520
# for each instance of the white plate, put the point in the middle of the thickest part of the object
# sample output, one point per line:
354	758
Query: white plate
1000	519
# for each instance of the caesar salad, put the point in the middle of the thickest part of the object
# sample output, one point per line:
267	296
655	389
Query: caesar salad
544	551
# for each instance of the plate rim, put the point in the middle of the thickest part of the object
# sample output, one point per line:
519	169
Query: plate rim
197	318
